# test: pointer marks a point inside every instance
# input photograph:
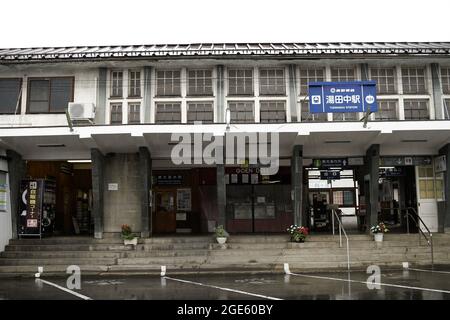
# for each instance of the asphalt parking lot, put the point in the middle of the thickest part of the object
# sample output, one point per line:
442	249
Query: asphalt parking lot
410	284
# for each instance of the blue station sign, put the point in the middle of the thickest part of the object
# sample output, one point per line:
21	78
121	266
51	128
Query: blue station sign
354	96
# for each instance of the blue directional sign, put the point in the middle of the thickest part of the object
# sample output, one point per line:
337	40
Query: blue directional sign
330	175
354	96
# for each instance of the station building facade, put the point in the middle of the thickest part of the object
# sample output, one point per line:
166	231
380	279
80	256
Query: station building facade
114	165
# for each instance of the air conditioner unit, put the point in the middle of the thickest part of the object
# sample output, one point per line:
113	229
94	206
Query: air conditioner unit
81	111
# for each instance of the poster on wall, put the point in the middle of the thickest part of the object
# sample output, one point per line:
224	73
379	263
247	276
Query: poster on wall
184	199
30	208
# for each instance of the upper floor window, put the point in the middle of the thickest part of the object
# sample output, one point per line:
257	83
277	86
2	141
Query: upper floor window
306	116
343	74
49	95
116	113
445	75
168	83
387	110
272	111
416	109
10	95
447	109
385	78
168	112
200	111
240	82
310	75
116	84
134	113
200	83
414	80
345	116
241	111
272	82
134	83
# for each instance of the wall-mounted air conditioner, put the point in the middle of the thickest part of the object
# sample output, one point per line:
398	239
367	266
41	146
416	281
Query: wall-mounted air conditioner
81	111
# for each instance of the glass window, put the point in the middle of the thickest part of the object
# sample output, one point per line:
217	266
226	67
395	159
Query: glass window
116	84
200	83
414	80
241	111
272	82
10	95
116	113
309	75
447	109
445	77
50	95
306	116
240	82
343	74
272	111
134	84
168	83
416	110
134	113
200	111
168	112
387	110
385	78
345	116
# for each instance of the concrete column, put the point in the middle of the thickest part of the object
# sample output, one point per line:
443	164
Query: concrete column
364	71
220	92
437	91
293	92
297	184
371	183
17	172
145	168
221	195
444	209
98	168
147	95
100	108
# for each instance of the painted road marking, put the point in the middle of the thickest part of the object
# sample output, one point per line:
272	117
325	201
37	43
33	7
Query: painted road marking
425	270
371	283
224	289
79	295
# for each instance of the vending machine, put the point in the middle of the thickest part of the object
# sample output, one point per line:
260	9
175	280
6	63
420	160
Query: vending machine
37	209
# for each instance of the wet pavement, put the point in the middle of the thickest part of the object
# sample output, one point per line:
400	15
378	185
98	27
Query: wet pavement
395	285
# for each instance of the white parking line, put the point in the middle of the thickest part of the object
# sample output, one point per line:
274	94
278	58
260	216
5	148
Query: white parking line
79	295
371	283
425	270
224	289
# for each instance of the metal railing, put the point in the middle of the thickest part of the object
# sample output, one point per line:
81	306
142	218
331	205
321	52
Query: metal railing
418	223
341	230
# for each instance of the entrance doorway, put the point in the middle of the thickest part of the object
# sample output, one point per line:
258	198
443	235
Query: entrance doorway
164	215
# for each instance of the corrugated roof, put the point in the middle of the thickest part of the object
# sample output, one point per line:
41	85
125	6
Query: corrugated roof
15	55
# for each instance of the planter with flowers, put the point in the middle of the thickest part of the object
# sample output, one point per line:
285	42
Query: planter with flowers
378	231
128	236
298	233
221	234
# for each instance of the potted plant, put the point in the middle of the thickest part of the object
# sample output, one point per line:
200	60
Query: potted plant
378	231
298	233
221	234
128	236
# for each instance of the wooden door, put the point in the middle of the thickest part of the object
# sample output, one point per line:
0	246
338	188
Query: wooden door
426	197
165	212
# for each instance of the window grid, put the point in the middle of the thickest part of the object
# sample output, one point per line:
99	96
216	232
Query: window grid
445	79
49	95
168	83
240	82
416	110
134	87
200	83
134	113
306	116
310	75
200	111
387	110
413	80
343	74
241	111
10	95
116	84
116	113
385	79
272	82
272	111
168	112
345	116
447	109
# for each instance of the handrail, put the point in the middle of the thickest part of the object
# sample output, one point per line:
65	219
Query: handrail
342	230
417	222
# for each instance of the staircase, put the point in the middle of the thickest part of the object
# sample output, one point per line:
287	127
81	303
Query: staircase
242	253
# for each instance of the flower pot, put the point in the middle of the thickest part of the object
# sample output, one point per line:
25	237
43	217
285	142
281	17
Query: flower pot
133	241
378	237
221	240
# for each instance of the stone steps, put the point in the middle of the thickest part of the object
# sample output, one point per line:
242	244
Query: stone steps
57	261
